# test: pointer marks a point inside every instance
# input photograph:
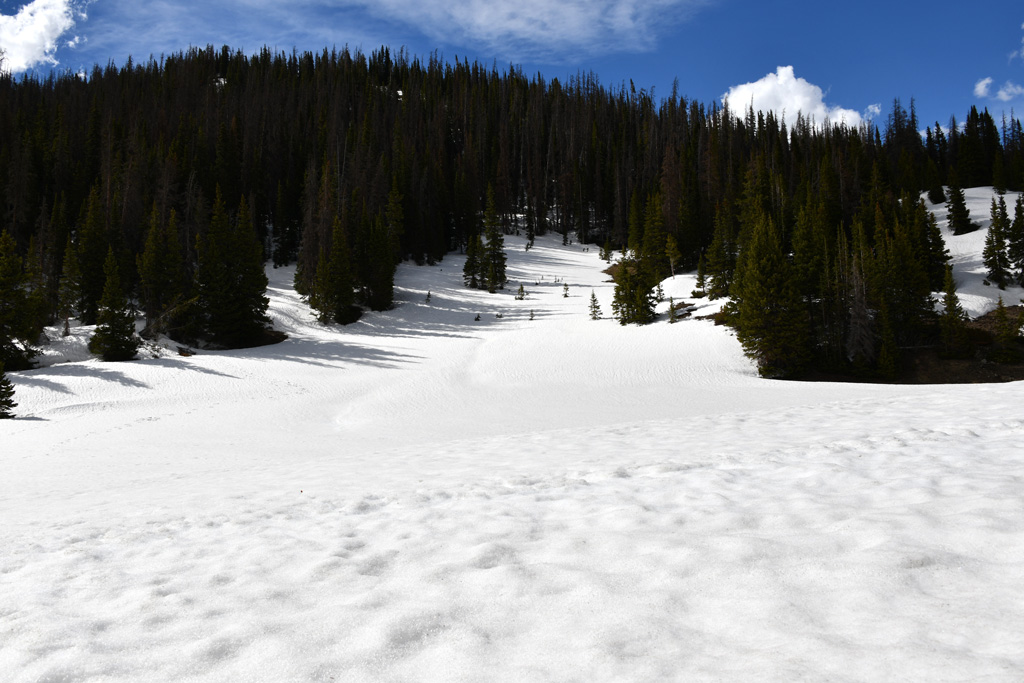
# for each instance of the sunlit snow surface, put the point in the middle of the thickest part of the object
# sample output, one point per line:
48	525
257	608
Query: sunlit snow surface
424	497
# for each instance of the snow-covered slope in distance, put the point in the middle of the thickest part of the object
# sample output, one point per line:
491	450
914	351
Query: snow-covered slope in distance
422	496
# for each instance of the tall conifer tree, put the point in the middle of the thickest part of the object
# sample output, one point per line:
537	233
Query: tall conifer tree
771	321
7	404
995	251
494	256
115	338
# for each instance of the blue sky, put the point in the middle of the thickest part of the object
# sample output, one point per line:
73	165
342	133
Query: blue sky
841	60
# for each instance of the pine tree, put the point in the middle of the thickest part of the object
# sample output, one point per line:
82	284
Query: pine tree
230	281
521	294
565	290
595	307
92	250
672	317
15	315
333	293
673	254
957	213
494	256
995	251
7	404
1007	332
69	292
380	281
115	338
471	269
860	340
633	301
771	320
161	267
721	256
953	320
1015	240
702	277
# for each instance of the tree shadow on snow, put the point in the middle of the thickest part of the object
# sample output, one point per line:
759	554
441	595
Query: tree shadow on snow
76	370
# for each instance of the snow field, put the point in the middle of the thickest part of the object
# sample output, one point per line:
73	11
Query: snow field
423	497
969	270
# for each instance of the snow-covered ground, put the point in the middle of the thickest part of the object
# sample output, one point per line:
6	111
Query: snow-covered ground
425	497
969	271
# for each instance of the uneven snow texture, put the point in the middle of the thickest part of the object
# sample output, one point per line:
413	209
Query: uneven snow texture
422	497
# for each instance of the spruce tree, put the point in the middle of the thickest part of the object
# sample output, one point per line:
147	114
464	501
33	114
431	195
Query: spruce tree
595	307
702	277
1015	241
380	281
7	404
161	267
771	319
230	281
69	292
721	256
633	301
1007	333
471	269
957	213
953	320
92	250
16	325
860	339
494	256
995	251
333	293
115	338
673	254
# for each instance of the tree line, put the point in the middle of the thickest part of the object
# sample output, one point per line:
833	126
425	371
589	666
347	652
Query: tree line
191	170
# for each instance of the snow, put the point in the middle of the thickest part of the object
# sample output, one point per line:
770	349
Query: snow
969	270
423	497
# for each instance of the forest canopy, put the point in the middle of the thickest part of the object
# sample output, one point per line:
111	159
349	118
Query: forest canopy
347	164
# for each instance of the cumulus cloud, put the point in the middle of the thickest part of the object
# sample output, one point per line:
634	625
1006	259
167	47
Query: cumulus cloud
982	87
785	94
31	36
1020	52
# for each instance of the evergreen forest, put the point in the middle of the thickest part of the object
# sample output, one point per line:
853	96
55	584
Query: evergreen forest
164	187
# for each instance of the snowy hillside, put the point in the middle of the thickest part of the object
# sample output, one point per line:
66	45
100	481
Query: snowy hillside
965	251
425	497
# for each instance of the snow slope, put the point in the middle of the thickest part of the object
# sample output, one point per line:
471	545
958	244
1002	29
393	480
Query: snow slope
424	497
965	251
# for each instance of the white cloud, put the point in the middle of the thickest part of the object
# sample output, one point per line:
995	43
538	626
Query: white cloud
31	36
785	94
541	27
873	110
981	88
1009	91
1020	52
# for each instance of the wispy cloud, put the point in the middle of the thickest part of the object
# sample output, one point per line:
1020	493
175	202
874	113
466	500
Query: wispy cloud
520	30
1019	52
541	27
785	94
30	37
